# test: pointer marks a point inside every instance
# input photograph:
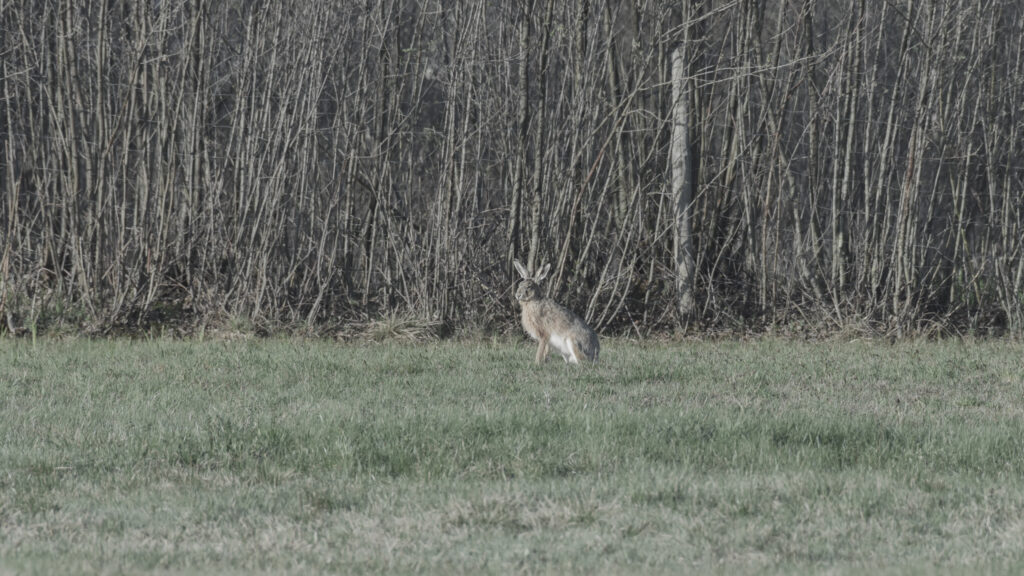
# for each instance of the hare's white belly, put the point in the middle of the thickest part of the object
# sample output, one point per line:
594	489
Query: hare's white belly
562	345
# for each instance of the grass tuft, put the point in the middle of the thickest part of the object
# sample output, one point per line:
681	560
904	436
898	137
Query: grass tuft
402	327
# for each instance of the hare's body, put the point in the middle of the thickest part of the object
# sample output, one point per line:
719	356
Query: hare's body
551	324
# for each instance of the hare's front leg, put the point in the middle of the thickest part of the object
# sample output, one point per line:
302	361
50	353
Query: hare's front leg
542	348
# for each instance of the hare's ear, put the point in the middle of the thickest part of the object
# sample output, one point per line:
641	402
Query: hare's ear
521	269
543	273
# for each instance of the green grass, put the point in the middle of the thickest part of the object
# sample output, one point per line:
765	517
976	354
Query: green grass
292	456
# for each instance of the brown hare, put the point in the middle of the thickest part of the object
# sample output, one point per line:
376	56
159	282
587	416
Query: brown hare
548	322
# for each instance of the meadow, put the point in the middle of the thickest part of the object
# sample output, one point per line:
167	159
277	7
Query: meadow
292	456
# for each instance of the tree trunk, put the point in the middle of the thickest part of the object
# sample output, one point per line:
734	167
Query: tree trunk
683	179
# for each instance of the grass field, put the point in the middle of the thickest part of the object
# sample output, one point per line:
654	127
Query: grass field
292	456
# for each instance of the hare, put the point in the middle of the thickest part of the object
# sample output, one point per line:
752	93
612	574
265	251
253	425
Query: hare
548	322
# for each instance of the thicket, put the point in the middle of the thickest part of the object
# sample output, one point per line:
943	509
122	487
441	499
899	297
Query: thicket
313	164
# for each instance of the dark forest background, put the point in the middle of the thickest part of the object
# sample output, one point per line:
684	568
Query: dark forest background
809	165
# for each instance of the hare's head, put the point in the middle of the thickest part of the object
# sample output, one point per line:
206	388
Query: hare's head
529	286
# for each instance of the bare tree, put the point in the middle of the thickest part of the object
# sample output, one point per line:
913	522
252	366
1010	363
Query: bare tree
819	163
